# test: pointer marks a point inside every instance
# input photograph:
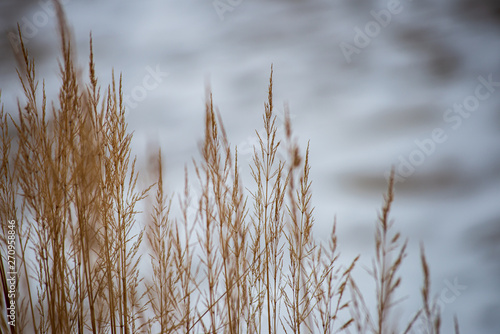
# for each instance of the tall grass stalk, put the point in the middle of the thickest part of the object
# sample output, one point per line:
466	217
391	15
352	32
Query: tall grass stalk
246	261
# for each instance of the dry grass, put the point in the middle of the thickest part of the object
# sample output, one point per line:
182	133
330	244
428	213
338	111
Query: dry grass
244	263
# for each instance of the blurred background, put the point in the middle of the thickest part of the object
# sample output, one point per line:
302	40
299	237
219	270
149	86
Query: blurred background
371	84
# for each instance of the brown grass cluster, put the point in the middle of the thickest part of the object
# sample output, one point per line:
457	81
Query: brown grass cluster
246	262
